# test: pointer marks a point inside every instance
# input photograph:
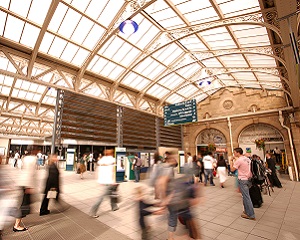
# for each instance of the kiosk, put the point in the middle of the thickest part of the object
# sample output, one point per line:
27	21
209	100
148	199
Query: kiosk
121	164
70	159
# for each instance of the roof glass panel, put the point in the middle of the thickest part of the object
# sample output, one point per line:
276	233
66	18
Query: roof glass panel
168	54
171	81
2	22
8	81
109	12
57	47
95	8
82	30
144	35
212	62
58	17
174	98
93	37
46	42
69	52
253	41
117	71
249	30
158	91
236	7
99	64
112	47
188	90
202	15
126	55
5	90
261	60
38	11
189	6
30	35
81	5
20	9
234	60
240	76
172	22
80	57
13	28
69	23
4	3
109	67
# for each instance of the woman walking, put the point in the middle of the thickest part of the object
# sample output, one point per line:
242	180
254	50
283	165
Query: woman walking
221	168
52	183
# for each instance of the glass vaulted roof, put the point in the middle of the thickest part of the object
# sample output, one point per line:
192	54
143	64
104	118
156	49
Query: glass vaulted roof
77	45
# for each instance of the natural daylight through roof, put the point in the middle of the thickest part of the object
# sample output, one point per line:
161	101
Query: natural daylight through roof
182	50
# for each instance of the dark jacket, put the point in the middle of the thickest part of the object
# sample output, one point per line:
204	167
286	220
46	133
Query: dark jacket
53	178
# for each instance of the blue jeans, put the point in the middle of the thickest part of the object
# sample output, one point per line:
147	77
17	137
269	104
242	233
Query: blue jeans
248	206
137	172
208	173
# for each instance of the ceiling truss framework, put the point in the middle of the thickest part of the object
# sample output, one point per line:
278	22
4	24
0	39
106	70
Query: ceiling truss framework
77	46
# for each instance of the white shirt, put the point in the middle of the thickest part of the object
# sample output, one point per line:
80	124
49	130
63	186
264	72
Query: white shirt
208	162
190	160
106	170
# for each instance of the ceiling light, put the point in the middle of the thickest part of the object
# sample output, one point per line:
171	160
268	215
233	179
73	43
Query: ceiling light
128	27
204	83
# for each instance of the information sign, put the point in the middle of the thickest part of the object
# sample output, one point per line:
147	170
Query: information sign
180	113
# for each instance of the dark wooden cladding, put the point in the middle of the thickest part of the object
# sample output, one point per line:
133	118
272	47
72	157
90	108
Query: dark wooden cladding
138	129
86	118
90	119
169	136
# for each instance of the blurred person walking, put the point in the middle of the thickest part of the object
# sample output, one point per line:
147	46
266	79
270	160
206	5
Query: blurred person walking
26	185
107	181
243	165
52	183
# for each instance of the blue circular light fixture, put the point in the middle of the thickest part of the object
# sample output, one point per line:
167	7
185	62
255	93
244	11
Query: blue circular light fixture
128	27
204	83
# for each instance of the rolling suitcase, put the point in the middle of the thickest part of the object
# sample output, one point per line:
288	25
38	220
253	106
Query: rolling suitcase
255	195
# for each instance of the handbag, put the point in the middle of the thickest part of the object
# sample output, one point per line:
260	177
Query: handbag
52	193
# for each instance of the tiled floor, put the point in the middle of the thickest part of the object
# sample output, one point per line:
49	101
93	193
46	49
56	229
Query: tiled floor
218	214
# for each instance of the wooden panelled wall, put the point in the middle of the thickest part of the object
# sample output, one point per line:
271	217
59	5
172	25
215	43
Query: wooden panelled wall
90	119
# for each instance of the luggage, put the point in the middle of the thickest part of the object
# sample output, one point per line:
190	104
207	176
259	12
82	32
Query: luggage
255	195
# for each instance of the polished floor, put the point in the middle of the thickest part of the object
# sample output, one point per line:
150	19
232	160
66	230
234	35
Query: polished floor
218	214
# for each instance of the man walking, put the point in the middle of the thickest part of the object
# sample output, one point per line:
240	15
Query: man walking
208	163
243	165
107	180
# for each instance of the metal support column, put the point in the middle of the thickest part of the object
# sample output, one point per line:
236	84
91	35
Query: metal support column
120	126
56	134
157	132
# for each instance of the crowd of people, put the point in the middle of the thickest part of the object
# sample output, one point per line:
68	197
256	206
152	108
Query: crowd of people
174	195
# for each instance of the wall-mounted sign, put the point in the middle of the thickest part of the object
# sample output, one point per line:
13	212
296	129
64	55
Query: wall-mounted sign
180	113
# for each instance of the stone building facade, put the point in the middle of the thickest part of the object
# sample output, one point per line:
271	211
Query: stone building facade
231	111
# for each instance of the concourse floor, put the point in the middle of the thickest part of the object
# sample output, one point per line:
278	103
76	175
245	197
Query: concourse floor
218	215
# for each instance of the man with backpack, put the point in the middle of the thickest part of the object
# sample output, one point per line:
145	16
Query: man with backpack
242	164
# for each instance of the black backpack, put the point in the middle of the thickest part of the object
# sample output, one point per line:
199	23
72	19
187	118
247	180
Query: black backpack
258	172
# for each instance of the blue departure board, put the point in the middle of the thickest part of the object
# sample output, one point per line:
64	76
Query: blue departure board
180	113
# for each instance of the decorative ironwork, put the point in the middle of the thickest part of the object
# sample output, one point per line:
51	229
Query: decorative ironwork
211	136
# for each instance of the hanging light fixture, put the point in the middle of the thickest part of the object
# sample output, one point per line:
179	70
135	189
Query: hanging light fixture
204	83
128	27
